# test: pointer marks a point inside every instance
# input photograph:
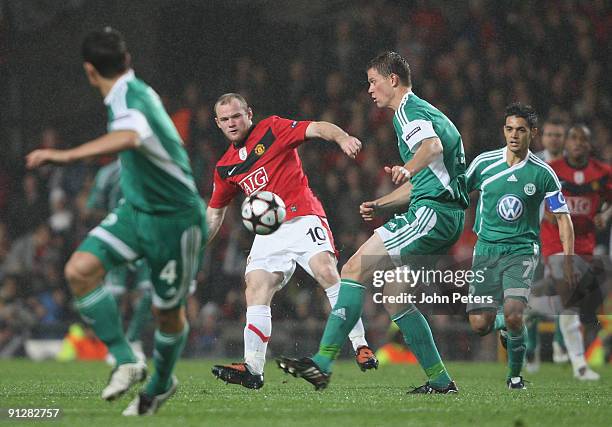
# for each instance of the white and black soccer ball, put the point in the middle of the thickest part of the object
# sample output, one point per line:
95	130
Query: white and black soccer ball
263	212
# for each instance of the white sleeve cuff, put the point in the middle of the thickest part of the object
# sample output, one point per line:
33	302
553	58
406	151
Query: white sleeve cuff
416	131
132	120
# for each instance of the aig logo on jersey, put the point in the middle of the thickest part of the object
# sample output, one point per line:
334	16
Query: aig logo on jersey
579	205
510	208
254	181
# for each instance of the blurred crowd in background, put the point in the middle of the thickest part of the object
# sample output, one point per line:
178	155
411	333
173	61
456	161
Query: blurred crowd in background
470	63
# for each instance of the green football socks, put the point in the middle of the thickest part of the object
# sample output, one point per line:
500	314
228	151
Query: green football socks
141	315
531	324
419	338
99	310
516	351
342	318
500	322
168	349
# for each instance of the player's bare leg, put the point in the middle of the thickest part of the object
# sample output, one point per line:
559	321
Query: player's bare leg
359	270
84	273
418	337
261	286
391	291
361	266
482	321
370	257
325	270
569	318
513	335
170	338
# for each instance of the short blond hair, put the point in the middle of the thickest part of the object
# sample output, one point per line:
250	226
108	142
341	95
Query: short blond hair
226	98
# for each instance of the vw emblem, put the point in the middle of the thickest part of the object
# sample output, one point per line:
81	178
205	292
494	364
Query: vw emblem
510	208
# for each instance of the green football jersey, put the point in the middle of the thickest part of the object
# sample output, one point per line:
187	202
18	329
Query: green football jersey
155	176
106	193
443	180
512	197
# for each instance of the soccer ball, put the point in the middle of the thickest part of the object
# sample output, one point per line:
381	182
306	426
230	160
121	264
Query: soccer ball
263	212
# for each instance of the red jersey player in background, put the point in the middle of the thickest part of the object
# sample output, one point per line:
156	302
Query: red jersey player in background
587	187
264	156
554	132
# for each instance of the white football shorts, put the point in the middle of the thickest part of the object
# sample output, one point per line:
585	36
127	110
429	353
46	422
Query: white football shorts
295	242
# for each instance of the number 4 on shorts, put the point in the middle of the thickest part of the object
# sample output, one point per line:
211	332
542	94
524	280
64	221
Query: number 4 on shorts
168	273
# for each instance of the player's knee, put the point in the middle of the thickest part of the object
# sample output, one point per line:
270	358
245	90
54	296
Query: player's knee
259	289
481	324
78	277
514	321
71	272
352	269
255	284
327	275
170	321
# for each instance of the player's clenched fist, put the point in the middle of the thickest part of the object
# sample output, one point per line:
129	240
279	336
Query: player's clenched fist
571	276
399	174
350	145
40	157
368	210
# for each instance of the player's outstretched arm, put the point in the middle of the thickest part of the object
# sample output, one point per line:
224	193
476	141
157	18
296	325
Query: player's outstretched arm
397	199
112	142
427	152
214	219
330	132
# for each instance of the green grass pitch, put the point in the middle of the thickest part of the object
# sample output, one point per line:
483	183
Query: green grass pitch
378	398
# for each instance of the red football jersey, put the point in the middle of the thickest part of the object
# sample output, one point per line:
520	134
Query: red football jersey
585	190
268	160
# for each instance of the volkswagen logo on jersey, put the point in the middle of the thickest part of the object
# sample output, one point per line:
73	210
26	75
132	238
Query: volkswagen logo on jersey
510	208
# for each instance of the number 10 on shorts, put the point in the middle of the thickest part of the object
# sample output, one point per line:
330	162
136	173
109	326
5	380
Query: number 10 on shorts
317	234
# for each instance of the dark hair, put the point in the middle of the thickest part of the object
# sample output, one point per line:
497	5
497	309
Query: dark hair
388	63
524	111
106	51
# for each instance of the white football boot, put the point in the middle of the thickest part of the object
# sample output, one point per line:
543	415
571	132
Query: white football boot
122	378
584	373
146	405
